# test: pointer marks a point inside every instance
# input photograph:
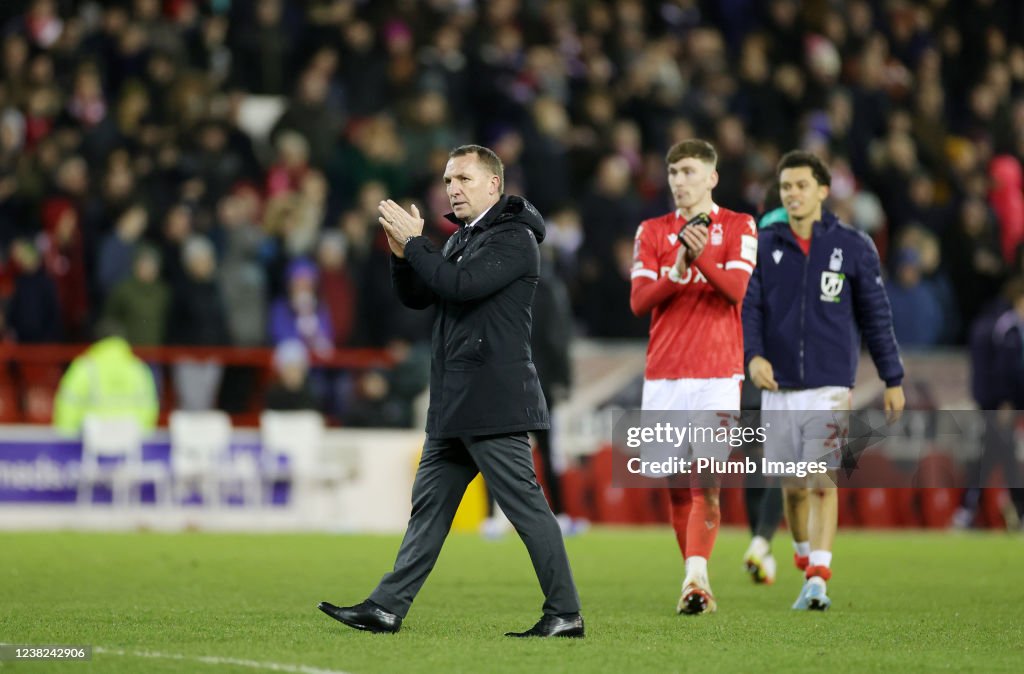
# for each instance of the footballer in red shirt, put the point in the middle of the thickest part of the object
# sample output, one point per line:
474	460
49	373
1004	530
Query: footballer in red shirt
690	272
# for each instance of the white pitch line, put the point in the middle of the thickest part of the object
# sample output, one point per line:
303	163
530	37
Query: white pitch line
216	660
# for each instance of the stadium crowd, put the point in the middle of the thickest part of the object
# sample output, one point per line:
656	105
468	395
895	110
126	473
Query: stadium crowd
136	187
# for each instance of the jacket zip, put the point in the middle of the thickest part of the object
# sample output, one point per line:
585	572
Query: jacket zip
803	304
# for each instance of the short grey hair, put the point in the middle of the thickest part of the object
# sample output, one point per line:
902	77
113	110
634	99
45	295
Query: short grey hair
487	157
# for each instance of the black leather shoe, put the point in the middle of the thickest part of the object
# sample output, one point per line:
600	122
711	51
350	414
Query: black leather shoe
553	626
366	616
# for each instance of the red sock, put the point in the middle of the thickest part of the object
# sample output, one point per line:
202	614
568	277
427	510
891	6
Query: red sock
703	527
822	572
679	511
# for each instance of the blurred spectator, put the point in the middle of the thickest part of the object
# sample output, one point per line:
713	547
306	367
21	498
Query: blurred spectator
385	397
546	145
138	306
291	390
106	380
916	309
292	162
198	319
549	342
215	160
118	248
299	314
972	255
372	151
176	105
33	314
176	230
1007	200
426	127
310	115
997	384
63	246
243	281
335	286
363	69
262	50
241	275
609	213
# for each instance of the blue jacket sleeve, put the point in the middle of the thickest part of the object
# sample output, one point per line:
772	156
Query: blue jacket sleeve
411	290
874	314
503	258
753	317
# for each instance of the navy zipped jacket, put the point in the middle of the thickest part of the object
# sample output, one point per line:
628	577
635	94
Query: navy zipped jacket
806	313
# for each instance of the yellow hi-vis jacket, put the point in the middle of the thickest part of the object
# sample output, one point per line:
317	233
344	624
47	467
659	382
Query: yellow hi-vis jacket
108	380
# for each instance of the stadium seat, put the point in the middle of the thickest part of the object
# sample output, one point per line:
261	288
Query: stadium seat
937	506
907	511
576	494
293	451
201	458
38	404
538	468
642	505
731	500
112	455
733	506
847	510
995	501
937	482
875	507
612	504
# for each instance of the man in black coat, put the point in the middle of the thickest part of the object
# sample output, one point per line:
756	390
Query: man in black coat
484	391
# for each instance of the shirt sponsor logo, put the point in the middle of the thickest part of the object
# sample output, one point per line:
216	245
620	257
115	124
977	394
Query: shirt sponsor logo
831	285
692	275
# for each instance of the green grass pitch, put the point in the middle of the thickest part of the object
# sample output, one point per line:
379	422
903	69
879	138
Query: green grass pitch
903	601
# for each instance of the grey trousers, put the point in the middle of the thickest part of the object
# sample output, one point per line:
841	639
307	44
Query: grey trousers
446	469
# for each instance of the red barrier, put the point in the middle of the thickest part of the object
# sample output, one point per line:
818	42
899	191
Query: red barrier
10	410
38	368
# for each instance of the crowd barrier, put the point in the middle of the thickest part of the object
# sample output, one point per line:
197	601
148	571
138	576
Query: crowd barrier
30	373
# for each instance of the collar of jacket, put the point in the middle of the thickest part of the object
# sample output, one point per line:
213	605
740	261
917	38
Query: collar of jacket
492	215
828	222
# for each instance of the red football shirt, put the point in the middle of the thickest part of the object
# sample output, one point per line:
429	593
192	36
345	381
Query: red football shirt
696	332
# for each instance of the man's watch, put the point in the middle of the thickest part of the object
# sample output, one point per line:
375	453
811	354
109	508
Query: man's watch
408	239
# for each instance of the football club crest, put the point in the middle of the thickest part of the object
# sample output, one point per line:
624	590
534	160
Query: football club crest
835	263
831	285
716	234
777	256
672	238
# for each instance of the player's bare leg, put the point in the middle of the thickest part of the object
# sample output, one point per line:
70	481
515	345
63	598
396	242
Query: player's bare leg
797	508
822	525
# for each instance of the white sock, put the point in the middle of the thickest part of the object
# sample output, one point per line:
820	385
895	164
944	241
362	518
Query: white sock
821	558
761	545
802	548
696	566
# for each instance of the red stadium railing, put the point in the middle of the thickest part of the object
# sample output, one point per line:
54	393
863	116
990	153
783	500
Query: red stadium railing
30	373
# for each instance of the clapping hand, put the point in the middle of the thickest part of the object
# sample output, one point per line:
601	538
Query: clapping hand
399	224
